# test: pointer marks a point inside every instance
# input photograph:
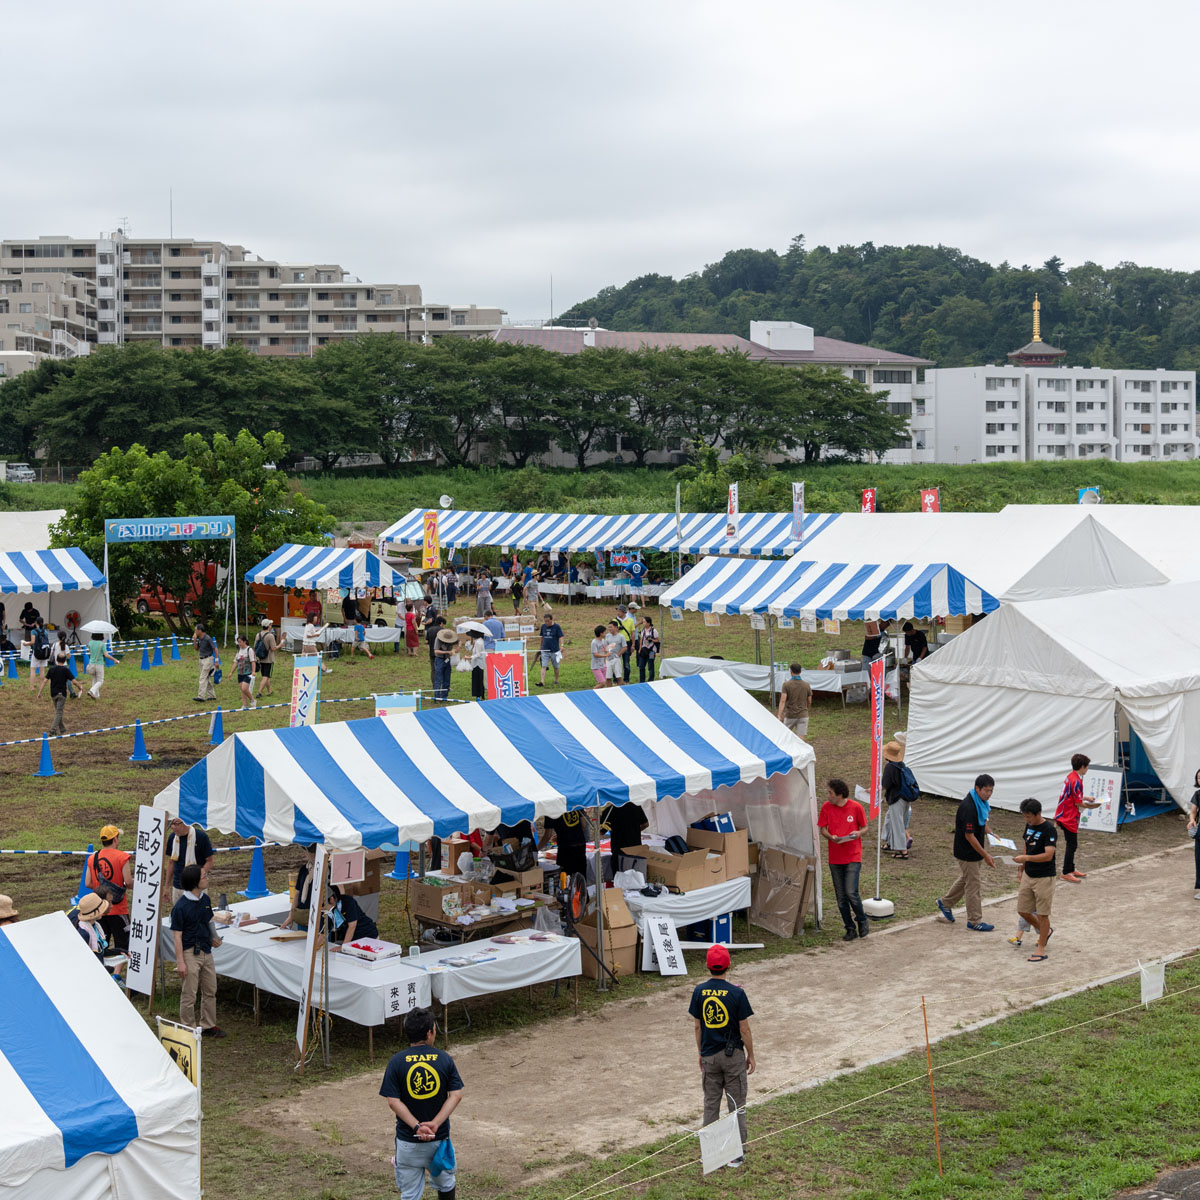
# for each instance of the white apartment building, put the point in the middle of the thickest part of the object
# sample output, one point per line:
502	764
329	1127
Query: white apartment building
185	293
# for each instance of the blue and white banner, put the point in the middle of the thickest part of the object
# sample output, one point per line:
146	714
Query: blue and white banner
170	529
306	690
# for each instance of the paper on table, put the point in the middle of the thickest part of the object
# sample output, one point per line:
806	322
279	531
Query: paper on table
256	927
1007	843
523	903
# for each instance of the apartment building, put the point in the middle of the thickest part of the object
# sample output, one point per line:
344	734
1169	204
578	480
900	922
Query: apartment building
51	315
180	292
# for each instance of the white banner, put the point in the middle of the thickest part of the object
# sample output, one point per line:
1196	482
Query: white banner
316	910
731	513
1154	981
798	512
146	906
306	690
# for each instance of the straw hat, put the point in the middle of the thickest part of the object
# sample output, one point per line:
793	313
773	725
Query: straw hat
8	910
893	752
92	907
447	637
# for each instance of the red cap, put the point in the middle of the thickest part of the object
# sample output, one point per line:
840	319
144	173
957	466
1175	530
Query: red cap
718	958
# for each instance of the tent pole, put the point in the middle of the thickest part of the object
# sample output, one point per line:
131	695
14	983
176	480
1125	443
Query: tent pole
598	860
771	646
107	590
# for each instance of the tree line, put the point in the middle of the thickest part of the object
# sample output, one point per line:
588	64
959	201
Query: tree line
457	401
931	301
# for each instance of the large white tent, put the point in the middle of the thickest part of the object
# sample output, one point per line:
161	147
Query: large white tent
1038	681
91	1105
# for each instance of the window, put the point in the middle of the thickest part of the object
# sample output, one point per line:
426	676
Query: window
176	341
174	274
386	298
174	252
274	341
273	319
272	295
371	318
322	318
1053	385
322	295
460	318
176	296
37	287
860	376
298	276
989	406
176	320
989	451
880	376
322	341
24	308
1140	385
900	408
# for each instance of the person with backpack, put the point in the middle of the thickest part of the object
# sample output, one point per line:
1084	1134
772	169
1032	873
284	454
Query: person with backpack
265	646
899	787
39	657
110	875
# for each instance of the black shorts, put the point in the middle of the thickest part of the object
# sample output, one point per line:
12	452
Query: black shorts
264	669
245	678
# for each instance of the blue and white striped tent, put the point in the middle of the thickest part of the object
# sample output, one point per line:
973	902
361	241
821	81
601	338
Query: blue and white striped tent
699	533
35	571
804	587
384	781
295	566
91	1104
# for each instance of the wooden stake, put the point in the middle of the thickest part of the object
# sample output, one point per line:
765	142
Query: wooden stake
937	1141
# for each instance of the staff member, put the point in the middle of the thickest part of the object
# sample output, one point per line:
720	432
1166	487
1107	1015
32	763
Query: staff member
422	1087
110	874
841	822
302	902
345	920
187	844
721	1015
570	835
625	824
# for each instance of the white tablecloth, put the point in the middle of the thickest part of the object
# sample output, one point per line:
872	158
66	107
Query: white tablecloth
361	993
521	964
756	677
689	907
376	634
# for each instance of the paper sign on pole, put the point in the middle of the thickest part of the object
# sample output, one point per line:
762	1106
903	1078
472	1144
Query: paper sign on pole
678	518
660	946
931	500
868	500
790	623
731	513
348	866
712	620
798	512
431	551
145	909
831	625
676	614
1103	784
397	702
758	621
505	676
306	690
182	1044
1154	980
877	702
808	624
315	914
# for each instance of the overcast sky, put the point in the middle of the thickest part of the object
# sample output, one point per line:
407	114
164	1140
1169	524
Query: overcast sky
478	149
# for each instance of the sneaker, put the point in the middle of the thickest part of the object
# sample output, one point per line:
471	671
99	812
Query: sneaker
215	1031
1196	896
945	912
980	926
849	936
734	1163
1015	940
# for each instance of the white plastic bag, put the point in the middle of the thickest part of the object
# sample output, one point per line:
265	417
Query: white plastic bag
629	881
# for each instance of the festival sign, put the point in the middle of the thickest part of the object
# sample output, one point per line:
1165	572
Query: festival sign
146	906
877	700
868	500
797	512
315	921
306	689
170	529
1102	784
931	500
431	553
183	1046
505	676
732	514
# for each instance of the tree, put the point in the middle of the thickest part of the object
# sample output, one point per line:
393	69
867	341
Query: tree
523	382
593	401
831	411
20	398
224	477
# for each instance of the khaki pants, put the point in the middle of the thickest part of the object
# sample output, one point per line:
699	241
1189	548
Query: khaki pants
966	886
204	687
798	725
725	1075
202	975
58	726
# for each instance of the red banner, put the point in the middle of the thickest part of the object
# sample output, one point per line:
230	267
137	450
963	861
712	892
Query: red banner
931	500
504	675
877	665
868	500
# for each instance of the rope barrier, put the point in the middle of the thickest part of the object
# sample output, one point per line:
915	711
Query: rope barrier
216	849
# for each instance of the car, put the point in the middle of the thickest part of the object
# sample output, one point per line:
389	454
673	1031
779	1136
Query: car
19	473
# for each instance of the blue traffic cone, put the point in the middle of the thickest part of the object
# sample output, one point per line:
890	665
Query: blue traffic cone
218	729
157	661
140	753
83	887
257	887
401	870
12	667
174	649
46	768
145	659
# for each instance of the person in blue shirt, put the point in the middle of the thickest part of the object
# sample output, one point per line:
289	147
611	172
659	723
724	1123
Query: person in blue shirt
552	640
495	628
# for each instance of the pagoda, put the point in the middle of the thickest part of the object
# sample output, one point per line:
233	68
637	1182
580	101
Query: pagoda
1037	353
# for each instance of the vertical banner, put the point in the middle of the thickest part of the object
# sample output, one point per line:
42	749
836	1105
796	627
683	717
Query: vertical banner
798	512
868	500
315	921
678	520
431	551
731	513
931	500
306	689
146	907
877	666
505	676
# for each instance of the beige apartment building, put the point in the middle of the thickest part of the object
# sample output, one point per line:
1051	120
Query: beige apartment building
185	293
47	315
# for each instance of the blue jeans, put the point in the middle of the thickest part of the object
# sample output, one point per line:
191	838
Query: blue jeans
412	1159
845	888
441	678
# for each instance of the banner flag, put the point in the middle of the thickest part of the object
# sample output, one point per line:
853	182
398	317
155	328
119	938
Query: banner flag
731	513
931	500
798	512
306	689
505	675
868	500
877	701
431	553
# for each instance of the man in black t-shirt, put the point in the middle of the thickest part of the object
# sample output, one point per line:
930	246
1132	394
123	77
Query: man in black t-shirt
625	824
570	833
1036	874
193	931
422	1087
970	830
721	1014
60	678
187	844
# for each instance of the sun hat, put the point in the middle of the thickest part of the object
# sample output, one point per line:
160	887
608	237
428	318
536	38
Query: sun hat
717	958
893	752
8	909
109	832
92	907
447	637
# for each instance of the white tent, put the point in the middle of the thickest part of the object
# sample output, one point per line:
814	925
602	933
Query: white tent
91	1105
65	587
28	530
1018	694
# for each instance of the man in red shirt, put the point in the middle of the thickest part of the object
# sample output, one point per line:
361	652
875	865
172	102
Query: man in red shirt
841	822
1066	816
110	875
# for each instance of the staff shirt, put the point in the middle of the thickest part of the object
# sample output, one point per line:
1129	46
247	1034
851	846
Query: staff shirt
1038	839
109	863
720	1007
421	1077
192	919
842	820
203	852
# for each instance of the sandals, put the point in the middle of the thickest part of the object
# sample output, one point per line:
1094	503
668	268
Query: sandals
1037	958
903	855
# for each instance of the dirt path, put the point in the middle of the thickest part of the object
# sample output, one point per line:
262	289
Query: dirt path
576	1087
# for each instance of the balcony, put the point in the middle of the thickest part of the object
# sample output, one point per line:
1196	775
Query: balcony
145	281
251	302
351	302
296	302
344	326
295	326
212	337
144	328
251	326
143	258
145	306
106	292
211	291
238	281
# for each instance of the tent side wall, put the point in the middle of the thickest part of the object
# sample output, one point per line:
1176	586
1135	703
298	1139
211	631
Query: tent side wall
1169	727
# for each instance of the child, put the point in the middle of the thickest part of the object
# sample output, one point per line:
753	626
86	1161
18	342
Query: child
360	639
599	650
1023	927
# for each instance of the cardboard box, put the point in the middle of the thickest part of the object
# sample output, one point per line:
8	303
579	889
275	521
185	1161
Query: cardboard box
680	872
783	890
620	949
523	879
616	911
425	898
752	855
451	849
733	847
716	823
957	624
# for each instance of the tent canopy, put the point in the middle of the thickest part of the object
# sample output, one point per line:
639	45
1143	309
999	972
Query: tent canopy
31	571
801	587
702	533
386	780
91	1104
295	566
1036	682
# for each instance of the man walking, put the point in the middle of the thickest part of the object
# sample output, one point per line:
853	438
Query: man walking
265	646
626	624
1035	874
1067	815
970	826
551	650
422	1087
206	651
795	698
721	1015
841	822
60	678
